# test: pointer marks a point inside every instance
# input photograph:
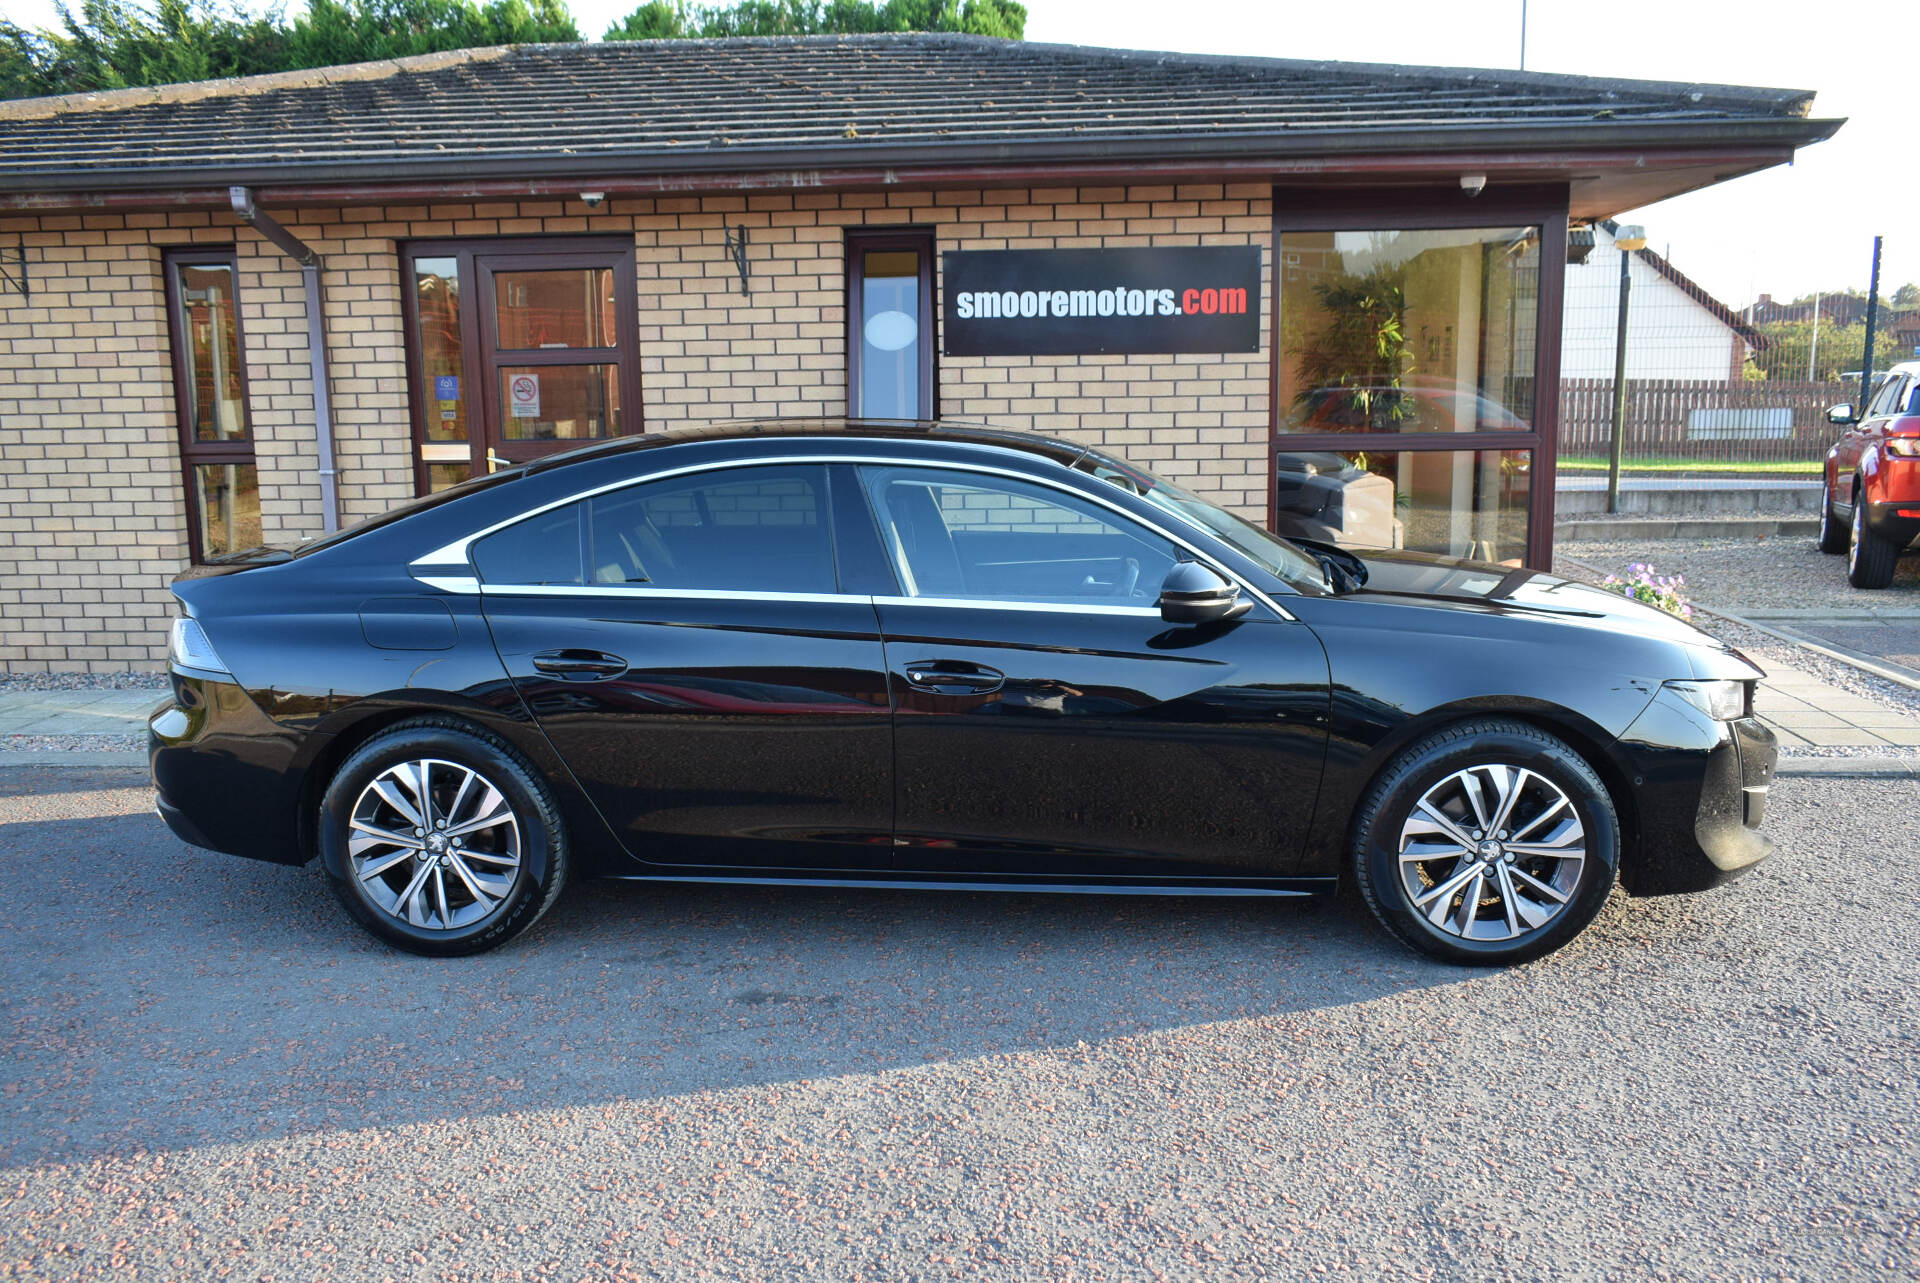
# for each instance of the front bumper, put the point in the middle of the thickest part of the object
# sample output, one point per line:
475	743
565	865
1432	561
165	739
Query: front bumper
1701	788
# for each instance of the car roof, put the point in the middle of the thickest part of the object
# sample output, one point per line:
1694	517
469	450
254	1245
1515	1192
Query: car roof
944	431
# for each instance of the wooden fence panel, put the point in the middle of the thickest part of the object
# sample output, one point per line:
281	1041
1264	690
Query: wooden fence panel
1706	422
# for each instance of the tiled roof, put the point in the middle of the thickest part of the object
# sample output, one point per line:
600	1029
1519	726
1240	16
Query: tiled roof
829	100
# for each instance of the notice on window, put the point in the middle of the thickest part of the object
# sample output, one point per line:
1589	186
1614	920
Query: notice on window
523	395
1059	302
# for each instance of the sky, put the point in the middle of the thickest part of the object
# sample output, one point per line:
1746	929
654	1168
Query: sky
1785	232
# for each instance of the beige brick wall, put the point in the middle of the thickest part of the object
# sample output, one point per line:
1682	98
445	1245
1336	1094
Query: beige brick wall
92	518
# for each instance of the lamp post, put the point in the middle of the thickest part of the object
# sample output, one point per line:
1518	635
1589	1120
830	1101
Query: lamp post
1626	239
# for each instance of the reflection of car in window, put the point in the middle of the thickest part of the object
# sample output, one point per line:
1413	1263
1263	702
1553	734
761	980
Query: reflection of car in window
1324	496
1415	405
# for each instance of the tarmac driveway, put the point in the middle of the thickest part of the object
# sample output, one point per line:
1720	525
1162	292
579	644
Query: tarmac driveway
204	1068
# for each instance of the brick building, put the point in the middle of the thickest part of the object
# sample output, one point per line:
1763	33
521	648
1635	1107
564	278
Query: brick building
517	250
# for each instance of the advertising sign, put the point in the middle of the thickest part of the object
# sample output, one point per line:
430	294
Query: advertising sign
1057	302
523	395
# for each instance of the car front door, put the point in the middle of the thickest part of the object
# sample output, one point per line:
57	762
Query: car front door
1048	721
685	645
1881	411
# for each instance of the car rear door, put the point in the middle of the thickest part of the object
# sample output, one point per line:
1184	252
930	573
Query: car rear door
685	644
1049	722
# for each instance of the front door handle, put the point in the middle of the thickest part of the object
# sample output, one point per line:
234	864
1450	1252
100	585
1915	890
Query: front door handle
954	677
579	665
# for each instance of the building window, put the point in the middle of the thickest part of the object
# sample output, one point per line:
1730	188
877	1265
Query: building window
890	340
210	399
1413	331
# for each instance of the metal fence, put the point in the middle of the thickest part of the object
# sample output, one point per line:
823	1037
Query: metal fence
1698	425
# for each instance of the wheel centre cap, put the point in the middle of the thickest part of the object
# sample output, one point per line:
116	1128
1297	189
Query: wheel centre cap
436	843
1490	850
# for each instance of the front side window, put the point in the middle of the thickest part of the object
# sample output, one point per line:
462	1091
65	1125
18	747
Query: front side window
210	401
975	537
755	529
1888	398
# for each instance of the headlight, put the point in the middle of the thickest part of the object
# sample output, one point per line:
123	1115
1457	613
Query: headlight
189	647
1904	447
1722	700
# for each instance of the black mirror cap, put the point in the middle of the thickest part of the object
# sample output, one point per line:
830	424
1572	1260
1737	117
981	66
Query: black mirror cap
1197	594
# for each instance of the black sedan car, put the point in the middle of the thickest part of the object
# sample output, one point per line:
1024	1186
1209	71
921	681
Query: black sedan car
911	655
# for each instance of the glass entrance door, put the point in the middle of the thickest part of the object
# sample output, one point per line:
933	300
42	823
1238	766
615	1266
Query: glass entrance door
518	349
1409	411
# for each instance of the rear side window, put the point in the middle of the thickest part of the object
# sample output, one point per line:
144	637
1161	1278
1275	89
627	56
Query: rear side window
751	529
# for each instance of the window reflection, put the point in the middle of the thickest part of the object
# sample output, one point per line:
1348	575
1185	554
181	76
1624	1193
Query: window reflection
1461	503
216	400
436	292
1426	330
890	336
566	308
226	500
559	402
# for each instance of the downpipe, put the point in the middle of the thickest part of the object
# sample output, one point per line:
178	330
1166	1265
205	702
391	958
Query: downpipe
311	267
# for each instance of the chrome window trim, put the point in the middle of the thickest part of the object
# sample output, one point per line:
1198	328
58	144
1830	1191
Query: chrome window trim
985	603
721	594
644	592
453	561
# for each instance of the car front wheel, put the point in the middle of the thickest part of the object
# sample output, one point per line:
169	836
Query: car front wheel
1490	842
441	839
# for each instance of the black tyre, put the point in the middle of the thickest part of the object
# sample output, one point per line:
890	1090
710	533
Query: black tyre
450	841
1834	535
1871	558
1487	843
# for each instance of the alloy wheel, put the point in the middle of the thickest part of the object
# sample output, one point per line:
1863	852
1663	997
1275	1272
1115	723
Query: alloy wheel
434	844
1491	852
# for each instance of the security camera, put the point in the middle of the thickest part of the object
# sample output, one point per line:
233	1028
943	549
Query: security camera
593	199
1473	184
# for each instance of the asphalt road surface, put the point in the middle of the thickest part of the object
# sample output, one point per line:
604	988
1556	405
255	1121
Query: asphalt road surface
205	1071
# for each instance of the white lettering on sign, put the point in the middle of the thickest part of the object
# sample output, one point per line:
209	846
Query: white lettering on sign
523	394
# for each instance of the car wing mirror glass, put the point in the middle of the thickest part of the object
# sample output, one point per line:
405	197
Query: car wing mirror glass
1197	594
1841	414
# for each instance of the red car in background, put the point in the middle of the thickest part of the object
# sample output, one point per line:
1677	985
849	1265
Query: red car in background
1871	507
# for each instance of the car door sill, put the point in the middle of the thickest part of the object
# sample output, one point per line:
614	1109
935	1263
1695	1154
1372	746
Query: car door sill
1088	886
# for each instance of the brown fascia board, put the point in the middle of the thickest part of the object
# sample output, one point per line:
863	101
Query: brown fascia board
1330	152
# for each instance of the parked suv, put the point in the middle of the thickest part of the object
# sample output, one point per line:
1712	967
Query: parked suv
1871	507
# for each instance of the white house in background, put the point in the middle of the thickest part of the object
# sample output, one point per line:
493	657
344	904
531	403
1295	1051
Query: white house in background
1675	329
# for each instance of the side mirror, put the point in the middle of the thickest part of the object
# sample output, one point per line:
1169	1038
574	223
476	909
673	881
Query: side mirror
1841	414
1197	594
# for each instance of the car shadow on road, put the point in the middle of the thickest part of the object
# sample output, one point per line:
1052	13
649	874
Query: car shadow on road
157	996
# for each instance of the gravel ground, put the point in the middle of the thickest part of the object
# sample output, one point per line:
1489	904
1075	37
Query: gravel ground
73	743
1754	576
204	1068
156	681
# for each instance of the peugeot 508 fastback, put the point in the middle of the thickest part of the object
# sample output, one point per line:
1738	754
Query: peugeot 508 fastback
912	655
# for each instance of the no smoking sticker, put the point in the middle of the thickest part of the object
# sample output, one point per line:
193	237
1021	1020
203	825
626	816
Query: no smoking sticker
523	394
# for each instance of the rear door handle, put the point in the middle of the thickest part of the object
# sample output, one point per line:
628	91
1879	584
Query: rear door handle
954	677
579	665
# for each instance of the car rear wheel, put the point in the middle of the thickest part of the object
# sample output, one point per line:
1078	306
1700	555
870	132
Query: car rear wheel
1871	558
1833	535
1490	842
440	839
